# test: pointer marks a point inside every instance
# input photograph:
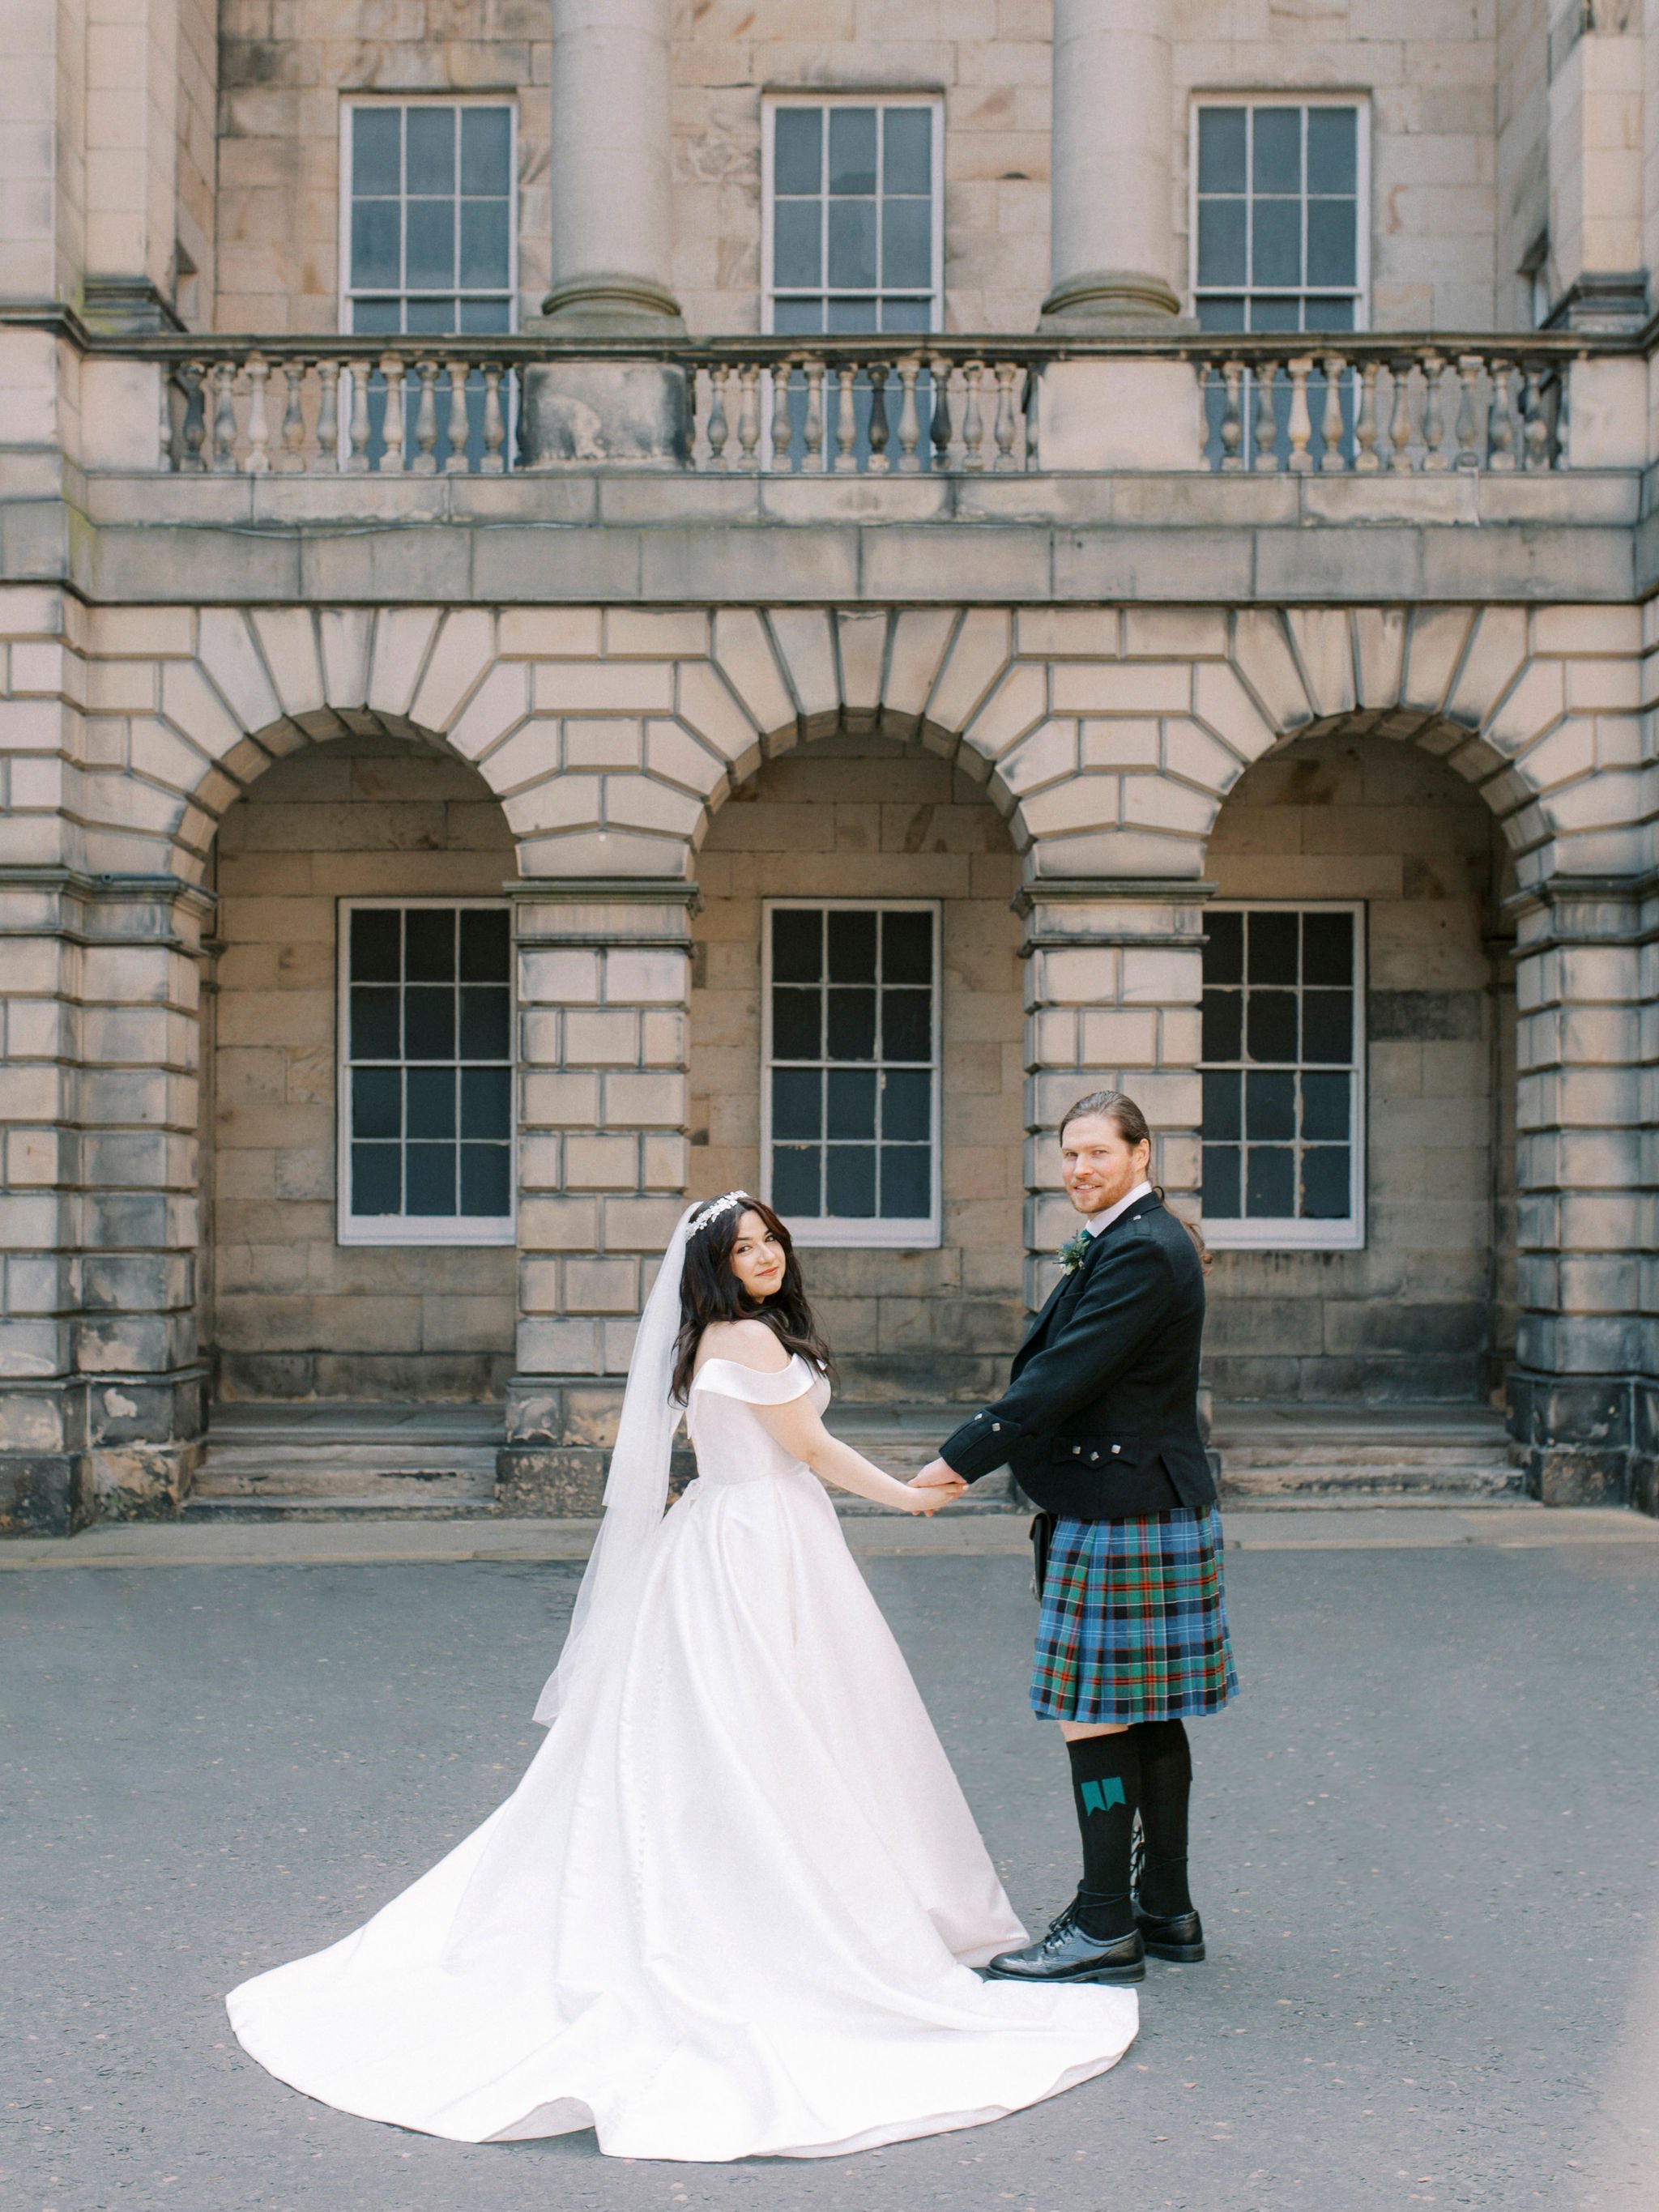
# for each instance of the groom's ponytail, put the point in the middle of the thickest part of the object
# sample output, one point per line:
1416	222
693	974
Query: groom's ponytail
1131	1124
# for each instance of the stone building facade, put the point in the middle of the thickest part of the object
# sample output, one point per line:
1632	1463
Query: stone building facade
906	564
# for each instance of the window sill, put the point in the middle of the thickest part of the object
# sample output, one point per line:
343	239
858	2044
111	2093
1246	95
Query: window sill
438	1229
1284	1236
866	1235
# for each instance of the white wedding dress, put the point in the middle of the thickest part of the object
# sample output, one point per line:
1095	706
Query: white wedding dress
732	1906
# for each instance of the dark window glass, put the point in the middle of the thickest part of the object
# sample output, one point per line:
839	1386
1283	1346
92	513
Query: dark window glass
1214	314
485	1172
431	1102
376	1179
430	1170
907	948
1272	948
376	1103
374	244
486	1022
852	1025
852	947
907	1025
1325	1107
486	153
1276	242
907	242
1221	242
1221	132
791	318
429	945
430	150
375	938
1278	152
798	150
797	1024
429	1021
1269	1102
1270	1182
851	150
1222	1092
907	1106
1221	1175
797	1103
486	1103
1328	948
797	245
847	313
797	946
429	243
908	150
1328	1025
851	1106
908	315
795	1174
485	947
1224	950
1332	315
376	151
852	256
376	316
1325	1179
1331	245
1224	1025
1270	1025
374	1023
486	243
1333	150
906	1178
850	1181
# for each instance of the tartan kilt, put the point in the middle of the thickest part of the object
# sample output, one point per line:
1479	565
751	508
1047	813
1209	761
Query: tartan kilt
1134	1620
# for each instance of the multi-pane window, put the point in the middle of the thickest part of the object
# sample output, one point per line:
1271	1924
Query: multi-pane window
1283	1074
1280	215
428	216
853	214
850	1112
426	1094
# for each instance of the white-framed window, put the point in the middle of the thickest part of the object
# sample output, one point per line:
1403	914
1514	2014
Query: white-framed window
850	1069
426	1066
1280	212
852	232
1284	1074
429	240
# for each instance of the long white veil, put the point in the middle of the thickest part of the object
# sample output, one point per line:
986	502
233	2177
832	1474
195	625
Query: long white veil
635	1492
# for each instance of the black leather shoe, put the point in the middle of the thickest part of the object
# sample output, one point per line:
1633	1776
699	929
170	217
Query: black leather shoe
1178	1936
1068	1953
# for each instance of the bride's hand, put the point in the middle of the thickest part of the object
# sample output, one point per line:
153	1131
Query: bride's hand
928	1497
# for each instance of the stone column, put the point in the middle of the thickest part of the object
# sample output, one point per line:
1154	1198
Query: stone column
1113	241
1596	60
611	176
1113	977
1584	1392
102	1393
604	977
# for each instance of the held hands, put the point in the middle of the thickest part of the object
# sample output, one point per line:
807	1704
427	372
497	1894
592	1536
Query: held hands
939	1485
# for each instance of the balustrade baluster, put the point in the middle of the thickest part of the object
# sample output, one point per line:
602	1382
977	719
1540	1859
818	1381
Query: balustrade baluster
783	422
847	422
1332	459
1365	462
1500	425
1298	429
1266	415
167	432
192	431
425	462
1435	462
1231	429
1399	422
257	463
291	460
1534	421
224	418
878	463
973	426
1007	424
813	456
749	418
328	417
494	423
457	431
391	431
357	458
1469	412
938	427
909	422
719	429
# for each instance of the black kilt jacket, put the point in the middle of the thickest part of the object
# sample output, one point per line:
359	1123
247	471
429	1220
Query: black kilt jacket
1100	1418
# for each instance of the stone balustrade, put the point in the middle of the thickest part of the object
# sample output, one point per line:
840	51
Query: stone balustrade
1293	403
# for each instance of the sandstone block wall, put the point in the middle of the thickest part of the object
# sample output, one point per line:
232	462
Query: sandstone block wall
293	1313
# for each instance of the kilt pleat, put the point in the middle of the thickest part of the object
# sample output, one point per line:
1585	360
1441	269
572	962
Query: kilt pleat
1134	1620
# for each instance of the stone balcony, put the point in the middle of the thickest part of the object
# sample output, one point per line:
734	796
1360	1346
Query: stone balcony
1219	470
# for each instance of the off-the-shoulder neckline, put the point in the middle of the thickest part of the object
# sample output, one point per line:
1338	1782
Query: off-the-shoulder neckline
715	1360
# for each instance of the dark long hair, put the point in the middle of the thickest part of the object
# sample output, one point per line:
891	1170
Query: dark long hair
710	1291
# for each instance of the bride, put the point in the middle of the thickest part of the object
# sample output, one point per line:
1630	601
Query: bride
732	1907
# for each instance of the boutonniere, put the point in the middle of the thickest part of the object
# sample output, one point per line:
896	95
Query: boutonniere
1074	1251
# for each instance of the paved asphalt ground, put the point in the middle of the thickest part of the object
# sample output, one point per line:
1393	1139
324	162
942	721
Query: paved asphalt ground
1427	1848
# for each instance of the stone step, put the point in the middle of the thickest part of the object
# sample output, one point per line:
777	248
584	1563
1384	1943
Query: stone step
1408	1482
1406	1453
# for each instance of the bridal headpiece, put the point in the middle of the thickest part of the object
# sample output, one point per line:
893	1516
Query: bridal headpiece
717	1206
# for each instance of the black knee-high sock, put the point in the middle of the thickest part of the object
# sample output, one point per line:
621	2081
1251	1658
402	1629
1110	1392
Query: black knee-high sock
1106	1784
1166	1781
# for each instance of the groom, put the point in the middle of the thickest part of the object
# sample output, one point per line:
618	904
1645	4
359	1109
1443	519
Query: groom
1100	1426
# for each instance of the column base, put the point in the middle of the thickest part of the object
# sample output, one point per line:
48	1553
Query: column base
1587	1440
1114	302
100	1448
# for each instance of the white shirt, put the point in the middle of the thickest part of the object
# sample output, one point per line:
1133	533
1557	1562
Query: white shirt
1098	1224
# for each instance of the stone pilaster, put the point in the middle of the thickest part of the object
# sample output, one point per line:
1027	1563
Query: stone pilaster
604	977
102	1390
1582	1394
1114	974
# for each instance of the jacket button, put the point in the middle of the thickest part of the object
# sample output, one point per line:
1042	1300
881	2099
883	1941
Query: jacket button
996	1428
1094	1456
1115	1450
1076	1451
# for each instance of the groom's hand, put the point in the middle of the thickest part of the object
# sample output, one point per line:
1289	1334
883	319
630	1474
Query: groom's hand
938	1475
